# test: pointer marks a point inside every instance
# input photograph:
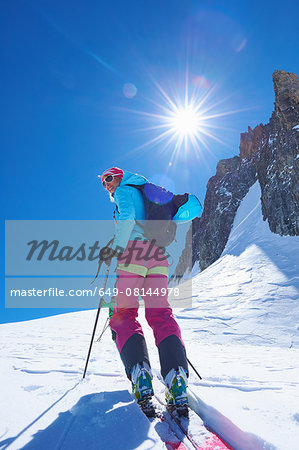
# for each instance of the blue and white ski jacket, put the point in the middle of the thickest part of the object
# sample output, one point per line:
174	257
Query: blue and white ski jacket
129	208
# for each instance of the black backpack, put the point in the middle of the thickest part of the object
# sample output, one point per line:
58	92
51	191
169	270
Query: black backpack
160	207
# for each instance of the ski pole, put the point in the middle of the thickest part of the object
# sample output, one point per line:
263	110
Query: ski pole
106	325
101	261
194	369
96	321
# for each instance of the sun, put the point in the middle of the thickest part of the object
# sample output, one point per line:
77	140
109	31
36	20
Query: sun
185	122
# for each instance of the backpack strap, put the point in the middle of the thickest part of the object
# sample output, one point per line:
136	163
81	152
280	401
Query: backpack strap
114	213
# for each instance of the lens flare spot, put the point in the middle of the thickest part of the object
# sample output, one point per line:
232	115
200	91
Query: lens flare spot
201	82
129	90
241	45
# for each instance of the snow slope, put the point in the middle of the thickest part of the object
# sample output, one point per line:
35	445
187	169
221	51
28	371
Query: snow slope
241	333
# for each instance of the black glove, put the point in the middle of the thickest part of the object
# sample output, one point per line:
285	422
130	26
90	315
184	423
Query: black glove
107	253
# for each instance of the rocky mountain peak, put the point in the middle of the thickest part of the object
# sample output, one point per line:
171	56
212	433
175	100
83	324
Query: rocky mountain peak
286	88
269	154
225	166
249	142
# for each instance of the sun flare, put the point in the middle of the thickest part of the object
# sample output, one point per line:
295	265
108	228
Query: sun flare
185	122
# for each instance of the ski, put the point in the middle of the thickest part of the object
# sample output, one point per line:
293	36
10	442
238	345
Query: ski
167	434
200	436
177	421
176	443
211	440
215	439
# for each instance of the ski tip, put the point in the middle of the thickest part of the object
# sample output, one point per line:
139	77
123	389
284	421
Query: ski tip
214	443
175	446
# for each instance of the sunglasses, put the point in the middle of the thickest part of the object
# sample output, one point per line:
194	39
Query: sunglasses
107	180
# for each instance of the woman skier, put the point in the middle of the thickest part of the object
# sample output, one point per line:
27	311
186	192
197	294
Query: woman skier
142	269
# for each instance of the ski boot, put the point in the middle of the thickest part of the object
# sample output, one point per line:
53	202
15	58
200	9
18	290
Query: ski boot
176	392
141	378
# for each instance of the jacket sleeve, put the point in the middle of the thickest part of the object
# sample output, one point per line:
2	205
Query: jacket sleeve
126	219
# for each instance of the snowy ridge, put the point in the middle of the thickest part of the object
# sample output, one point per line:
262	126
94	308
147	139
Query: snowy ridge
241	334
250	294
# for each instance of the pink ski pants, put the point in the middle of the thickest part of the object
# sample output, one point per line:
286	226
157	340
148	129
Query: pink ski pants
157	310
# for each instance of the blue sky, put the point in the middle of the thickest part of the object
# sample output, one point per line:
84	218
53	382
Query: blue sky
67	112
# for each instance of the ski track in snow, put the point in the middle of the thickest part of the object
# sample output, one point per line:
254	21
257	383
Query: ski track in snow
241	334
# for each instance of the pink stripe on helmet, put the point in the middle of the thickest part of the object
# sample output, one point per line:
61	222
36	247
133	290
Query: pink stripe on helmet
115	171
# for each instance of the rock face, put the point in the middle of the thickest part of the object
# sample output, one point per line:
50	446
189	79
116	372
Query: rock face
278	167
269	154
224	193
